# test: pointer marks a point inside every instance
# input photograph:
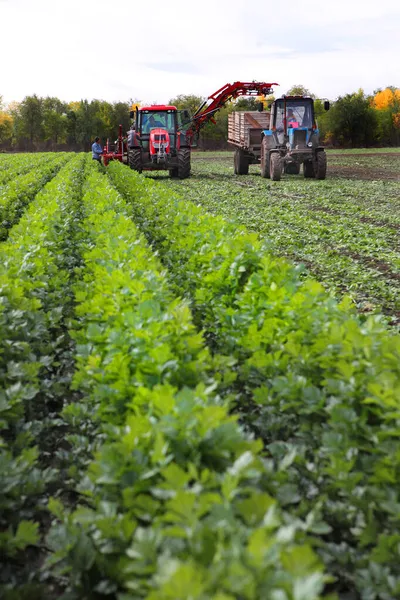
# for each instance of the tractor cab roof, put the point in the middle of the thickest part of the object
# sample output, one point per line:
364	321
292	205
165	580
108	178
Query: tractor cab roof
157	107
294	98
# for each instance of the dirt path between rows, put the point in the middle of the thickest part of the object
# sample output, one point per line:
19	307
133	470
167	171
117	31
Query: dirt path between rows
363	173
355	154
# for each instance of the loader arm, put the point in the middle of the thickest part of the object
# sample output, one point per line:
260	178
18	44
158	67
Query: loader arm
218	99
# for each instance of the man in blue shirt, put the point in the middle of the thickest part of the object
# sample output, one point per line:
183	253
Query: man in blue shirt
152	124
97	150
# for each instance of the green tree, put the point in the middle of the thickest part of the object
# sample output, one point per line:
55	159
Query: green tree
31	114
54	120
247	104
352	121
120	116
190	102
299	90
88	123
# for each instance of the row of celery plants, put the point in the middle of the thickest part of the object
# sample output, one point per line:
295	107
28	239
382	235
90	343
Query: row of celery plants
20	164
15	195
175	502
35	364
320	384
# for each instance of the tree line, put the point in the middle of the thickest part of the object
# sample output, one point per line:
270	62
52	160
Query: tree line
36	123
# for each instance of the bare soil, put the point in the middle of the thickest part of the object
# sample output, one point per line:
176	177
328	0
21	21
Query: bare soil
363	173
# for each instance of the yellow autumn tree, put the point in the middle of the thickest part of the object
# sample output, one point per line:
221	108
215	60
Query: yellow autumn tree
266	100
387	98
6	126
74	106
387	104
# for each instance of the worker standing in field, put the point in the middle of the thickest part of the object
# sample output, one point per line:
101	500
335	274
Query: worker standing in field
97	150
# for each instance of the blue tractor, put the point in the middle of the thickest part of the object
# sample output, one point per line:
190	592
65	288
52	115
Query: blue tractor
292	140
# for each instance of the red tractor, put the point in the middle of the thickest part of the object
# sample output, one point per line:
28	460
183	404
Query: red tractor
158	140
161	136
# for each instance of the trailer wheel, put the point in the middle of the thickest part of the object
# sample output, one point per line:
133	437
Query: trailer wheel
183	163
264	162
135	160
320	165
275	166
292	168
308	169
173	172
241	162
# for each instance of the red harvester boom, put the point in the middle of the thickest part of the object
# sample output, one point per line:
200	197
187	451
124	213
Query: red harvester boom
228	92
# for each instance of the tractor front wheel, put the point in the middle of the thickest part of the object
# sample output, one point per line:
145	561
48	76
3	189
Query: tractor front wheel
265	160
241	162
183	169
320	165
135	160
275	166
173	172
308	169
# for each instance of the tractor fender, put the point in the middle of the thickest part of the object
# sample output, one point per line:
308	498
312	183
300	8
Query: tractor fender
269	137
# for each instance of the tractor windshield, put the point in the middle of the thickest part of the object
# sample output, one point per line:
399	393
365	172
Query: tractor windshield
298	114
154	119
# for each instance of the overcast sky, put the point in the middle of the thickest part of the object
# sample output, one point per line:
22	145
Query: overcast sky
155	50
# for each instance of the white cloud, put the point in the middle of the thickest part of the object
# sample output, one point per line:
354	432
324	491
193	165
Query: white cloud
115	51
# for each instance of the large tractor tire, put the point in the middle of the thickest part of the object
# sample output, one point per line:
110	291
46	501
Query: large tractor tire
183	170
264	162
320	165
135	160
308	168
173	172
292	168
241	162
275	166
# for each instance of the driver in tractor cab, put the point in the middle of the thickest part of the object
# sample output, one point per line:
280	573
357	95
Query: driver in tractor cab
290	116
152	124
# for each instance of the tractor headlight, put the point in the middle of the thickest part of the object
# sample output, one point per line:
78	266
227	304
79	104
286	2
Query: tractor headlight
309	144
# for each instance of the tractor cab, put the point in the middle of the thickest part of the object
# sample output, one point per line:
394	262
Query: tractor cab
293	120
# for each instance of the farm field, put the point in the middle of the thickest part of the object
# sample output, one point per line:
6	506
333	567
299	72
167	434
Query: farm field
184	413
344	230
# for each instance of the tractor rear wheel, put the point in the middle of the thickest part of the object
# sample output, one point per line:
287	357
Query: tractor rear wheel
292	168
275	166
135	160
320	165
241	162
183	169
308	169
264	160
